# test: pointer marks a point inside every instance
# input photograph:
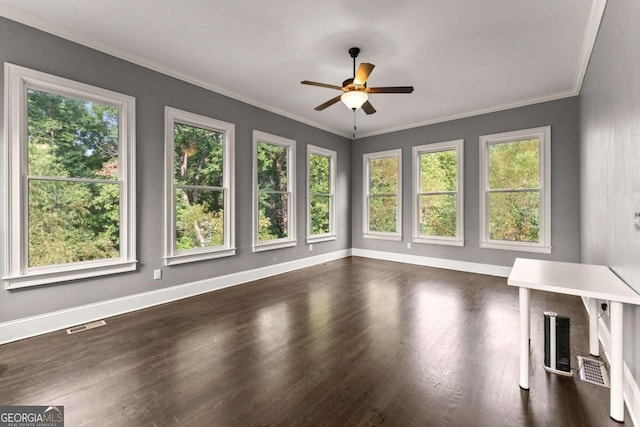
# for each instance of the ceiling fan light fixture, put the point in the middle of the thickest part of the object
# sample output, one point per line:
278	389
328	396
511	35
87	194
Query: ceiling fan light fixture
354	99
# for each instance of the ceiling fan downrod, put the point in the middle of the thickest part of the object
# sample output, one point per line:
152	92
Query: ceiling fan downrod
354	52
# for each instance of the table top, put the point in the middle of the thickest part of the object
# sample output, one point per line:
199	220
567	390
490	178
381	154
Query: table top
593	281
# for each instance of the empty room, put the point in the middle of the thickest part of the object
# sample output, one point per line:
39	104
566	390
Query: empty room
420	213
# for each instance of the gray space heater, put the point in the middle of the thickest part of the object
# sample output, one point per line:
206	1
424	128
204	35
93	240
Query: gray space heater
557	353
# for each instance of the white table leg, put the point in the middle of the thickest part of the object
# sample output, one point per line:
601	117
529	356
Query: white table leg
525	332
617	378
594	345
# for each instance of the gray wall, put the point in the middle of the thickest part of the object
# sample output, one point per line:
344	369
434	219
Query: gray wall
610	157
31	48
561	115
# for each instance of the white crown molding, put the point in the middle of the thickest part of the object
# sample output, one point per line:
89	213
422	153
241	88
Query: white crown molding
554	97
595	19
56	30
589	41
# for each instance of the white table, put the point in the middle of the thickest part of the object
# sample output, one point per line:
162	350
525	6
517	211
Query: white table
596	282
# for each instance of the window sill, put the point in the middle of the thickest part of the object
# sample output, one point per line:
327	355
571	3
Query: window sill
442	241
514	246
198	256
392	237
274	245
322	238
36	278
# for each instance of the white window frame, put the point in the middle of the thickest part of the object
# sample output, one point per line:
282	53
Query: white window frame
290	145
458	146
366	162
173	256
543	134
17	273
333	161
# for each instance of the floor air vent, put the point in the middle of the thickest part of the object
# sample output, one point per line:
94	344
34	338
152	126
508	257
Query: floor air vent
86	327
593	371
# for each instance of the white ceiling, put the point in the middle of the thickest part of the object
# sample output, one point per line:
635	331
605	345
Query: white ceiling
463	57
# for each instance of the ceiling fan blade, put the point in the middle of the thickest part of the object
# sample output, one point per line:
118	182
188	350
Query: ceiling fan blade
329	103
363	73
368	108
391	89
307	82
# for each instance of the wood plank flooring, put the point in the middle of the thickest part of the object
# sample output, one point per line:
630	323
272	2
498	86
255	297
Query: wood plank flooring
352	342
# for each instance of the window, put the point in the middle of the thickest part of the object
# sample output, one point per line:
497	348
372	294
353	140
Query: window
321	183
274	171
199	187
438	212
382	195
515	190
70	179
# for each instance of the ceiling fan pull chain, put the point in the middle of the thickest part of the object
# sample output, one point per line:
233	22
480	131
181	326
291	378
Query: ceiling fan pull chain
354	124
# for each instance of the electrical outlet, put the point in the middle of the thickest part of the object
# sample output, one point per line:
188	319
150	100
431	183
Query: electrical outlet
310	247
605	307
157	274
409	245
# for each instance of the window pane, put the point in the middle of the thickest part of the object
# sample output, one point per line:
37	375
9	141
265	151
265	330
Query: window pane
438	171
70	137
382	213
72	222
438	215
514	216
514	164
319	173
199	219
320	208
273	219
383	176
197	156
272	167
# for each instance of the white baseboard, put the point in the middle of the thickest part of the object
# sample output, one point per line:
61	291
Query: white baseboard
631	389
35	325
448	264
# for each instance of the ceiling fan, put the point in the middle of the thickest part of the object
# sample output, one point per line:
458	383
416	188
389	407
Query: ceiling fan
355	90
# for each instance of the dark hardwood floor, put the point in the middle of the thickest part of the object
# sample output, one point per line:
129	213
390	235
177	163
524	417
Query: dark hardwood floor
351	342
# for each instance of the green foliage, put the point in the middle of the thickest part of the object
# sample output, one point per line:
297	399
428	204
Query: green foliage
383	190
319	197
383	213
438	215
198	162
71	221
514	165
81	137
197	224
320	214
383	176
514	216
438	173
197	156
273	203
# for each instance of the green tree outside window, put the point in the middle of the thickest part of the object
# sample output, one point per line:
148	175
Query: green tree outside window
273	192
513	196
73	189
383	194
